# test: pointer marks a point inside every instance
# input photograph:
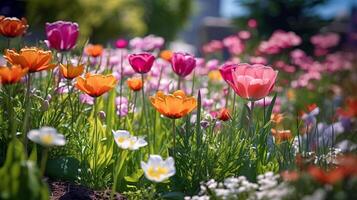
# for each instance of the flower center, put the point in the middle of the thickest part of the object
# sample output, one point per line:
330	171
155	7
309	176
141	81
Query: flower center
157	172
47	139
121	139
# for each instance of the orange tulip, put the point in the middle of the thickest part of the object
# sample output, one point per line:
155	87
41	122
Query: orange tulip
276	118
96	84
10	75
135	84
290	175
94	50
166	55
330	177
174	105
281	135
12	26
224	114
32	58
70	72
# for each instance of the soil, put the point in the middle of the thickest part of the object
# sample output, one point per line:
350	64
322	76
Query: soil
67	191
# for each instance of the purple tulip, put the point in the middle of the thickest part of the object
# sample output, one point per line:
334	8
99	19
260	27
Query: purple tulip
142	62
62	35
183	63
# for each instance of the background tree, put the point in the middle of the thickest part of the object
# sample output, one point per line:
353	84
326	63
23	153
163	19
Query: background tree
288	15
109	19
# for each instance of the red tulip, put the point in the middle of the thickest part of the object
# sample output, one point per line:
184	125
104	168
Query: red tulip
253	82
142	62
224	114
183	63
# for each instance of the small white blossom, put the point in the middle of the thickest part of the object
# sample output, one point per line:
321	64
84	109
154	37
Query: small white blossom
157	169
126	141
46	136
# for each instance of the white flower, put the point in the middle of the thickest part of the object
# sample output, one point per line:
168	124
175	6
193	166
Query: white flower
157	169
46	136
126	141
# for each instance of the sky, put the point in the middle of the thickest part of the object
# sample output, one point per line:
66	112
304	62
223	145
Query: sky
230	8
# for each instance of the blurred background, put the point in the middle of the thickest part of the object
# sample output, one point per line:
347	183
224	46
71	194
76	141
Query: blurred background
187	24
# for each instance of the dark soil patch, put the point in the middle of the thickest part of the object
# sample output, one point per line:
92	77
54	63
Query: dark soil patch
67	191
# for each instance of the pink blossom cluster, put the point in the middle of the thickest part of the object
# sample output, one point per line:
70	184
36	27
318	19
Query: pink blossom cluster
278	41
323	42
234	44
148	43
212	46
282	65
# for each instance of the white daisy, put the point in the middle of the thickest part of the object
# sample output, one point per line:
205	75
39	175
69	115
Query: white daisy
46	136
126	141
157	169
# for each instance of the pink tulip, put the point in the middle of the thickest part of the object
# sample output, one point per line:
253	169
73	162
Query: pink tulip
226	72
183	63
121	43
142	62
252	23
253	82
62	35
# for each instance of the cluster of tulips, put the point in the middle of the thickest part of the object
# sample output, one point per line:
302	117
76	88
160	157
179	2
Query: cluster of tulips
251	82
93	78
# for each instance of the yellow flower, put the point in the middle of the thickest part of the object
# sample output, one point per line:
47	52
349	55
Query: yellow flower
215	75
290	94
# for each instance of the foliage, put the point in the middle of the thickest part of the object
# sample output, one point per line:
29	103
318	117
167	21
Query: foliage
20	178
113	18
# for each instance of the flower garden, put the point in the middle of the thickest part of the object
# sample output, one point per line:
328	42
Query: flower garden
133	120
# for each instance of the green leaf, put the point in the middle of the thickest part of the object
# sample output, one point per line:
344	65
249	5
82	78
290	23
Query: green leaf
270	109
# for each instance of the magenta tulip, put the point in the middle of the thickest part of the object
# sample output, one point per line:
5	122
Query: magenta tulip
62	35
253	82
121	43
142	62
183	63
226	72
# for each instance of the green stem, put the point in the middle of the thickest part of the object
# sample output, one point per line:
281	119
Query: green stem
193	82
8	43
174	137
179	83
43	161
264	111
96	140
160	77
134	105
251	123
117	169
12	120
234	104
27	103
144	112
121	85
